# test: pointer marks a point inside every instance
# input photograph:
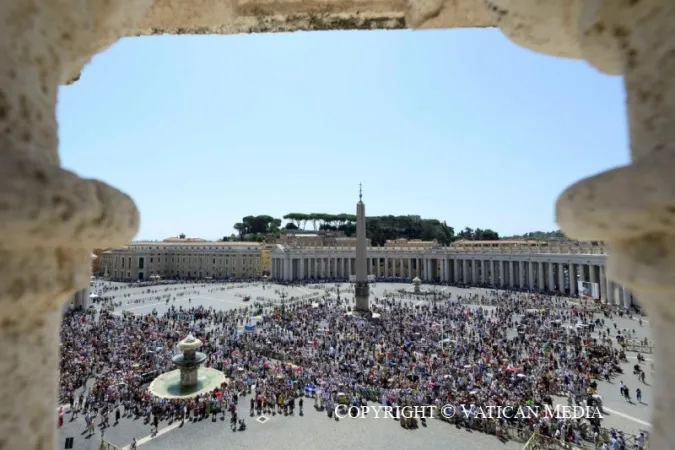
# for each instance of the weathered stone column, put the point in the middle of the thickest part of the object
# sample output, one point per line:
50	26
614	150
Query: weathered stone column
50	219
633	207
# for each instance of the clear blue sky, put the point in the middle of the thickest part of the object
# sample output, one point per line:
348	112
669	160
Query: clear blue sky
458	125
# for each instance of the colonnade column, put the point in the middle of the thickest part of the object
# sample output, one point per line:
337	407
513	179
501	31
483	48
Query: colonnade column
572	277
457	265
625	293
592	275
521	274
619	294
512	275
402	271
550	267
561	278
540	275
603	284
611	298
530	275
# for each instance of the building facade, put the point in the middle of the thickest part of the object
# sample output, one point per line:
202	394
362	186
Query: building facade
182	258
554	267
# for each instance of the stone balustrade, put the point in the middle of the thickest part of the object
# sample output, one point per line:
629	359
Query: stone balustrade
515	249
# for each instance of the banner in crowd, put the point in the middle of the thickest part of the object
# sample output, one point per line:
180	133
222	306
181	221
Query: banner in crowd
588	290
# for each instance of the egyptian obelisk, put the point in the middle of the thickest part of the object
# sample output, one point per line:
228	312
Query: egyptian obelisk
361	291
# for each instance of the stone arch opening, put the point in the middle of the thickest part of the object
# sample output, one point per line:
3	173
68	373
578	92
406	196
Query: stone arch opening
50	219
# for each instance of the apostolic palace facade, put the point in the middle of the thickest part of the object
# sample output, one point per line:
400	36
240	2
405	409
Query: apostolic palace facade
535	265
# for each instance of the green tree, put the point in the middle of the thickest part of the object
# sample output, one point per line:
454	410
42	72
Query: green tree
543	235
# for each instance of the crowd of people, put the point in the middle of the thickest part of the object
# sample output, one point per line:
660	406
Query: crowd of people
523	349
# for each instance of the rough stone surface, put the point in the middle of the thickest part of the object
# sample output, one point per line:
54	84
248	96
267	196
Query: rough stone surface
50	219
260	16
633	207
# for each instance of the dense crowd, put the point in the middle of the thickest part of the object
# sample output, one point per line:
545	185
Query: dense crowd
525	350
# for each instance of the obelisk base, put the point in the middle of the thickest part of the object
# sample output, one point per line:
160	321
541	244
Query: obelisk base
361	294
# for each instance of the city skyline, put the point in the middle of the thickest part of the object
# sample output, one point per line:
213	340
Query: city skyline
457	125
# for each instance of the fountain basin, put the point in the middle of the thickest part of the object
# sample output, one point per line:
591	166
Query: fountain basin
169	385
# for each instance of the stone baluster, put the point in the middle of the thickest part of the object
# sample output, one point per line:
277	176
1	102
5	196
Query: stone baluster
50	219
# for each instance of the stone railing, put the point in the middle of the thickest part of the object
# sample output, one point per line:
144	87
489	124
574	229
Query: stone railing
108	446
440	251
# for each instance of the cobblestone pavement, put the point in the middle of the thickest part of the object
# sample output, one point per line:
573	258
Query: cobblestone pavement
315	429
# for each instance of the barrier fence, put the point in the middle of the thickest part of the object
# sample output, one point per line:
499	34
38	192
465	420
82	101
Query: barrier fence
108	446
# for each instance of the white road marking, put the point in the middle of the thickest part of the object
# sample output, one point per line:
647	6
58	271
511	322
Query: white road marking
626	416
241	303
147	439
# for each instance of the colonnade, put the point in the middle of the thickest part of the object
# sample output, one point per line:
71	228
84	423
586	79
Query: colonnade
80	299
538	276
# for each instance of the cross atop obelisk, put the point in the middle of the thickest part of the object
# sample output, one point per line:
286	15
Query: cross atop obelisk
361	290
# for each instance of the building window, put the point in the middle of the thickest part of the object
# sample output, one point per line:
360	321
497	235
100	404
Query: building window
151	260
141	263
